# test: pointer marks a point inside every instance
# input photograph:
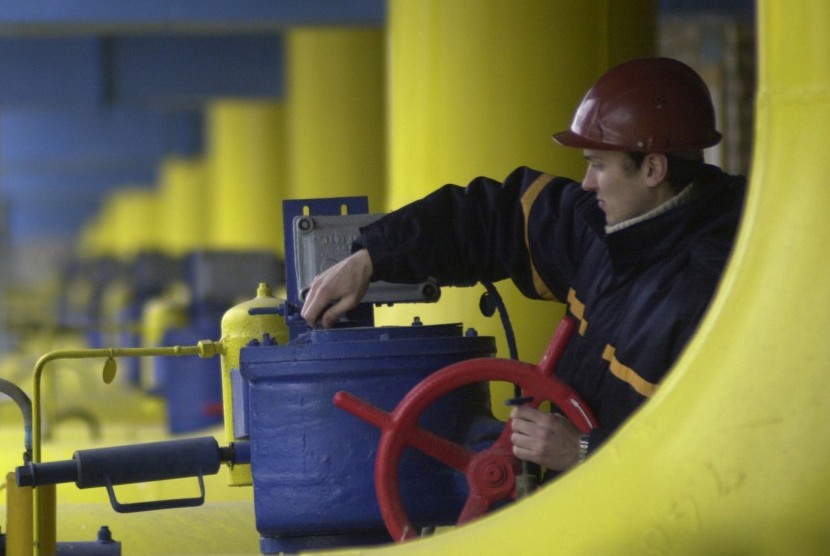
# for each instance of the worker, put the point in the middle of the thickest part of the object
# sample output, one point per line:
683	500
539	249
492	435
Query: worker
635	250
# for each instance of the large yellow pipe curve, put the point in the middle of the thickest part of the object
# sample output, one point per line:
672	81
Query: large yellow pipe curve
732	456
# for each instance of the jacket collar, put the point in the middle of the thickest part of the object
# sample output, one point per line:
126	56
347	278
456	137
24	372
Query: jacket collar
656	237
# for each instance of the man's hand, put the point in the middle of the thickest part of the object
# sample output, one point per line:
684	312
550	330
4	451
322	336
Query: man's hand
547	439
338	289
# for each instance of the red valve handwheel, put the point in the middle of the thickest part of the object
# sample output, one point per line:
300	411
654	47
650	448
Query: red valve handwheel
490	473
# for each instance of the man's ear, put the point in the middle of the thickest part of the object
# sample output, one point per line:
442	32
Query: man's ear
657	168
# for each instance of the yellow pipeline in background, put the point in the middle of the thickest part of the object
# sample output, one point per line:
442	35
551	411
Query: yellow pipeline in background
464	104
732	456
246	167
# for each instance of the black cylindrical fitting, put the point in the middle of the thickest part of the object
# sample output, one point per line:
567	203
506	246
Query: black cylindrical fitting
137	463
50	473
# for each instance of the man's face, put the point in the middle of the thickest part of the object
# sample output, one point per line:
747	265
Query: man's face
622	191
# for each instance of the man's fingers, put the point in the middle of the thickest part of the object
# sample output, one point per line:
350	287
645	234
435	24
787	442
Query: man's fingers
338	289
334	312
321	296
311	309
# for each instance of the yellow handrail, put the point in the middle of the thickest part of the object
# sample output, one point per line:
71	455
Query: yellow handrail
204	349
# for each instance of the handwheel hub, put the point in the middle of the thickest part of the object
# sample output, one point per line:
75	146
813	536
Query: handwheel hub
491	475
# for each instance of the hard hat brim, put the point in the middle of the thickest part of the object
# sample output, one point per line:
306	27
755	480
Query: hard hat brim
568	138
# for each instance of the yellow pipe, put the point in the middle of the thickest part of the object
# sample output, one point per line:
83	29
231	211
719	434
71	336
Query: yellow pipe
20	526
335	113
98	236
159	315
45	520
239	327
43	528
479	92
732	456
204	349
246	167
183	204
19	511
91	242
133	216
23	523
126	224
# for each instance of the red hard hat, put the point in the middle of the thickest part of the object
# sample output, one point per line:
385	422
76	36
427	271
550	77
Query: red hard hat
645	105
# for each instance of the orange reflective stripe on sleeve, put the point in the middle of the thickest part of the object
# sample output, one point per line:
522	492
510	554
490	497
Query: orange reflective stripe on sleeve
577	310
627	374
527	201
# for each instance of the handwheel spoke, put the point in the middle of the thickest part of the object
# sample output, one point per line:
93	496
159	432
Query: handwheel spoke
438	447
362	409
476	506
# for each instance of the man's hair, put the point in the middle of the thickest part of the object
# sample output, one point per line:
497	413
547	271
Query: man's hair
684	167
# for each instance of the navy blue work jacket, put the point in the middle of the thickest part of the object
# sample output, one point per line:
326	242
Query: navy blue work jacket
638	293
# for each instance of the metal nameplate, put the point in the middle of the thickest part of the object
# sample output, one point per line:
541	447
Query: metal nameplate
320	242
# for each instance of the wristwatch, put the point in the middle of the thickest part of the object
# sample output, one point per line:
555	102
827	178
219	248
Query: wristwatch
584	445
